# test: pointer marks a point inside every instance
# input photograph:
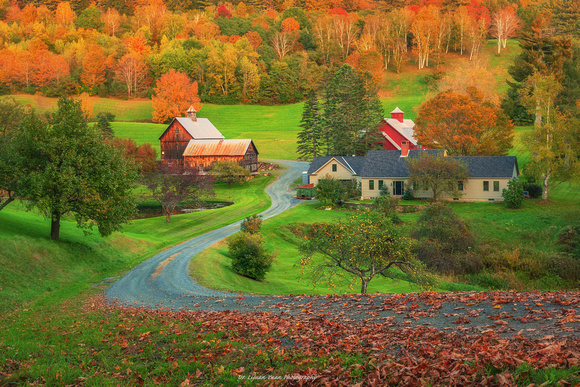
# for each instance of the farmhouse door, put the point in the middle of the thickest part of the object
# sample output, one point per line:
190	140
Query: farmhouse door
398	188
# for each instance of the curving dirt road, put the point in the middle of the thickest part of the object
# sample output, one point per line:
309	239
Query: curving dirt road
163	282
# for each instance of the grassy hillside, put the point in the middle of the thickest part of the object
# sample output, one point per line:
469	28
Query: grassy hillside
33	264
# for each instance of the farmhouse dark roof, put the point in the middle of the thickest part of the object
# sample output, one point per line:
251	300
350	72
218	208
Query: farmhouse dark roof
490	166
389	163
353	163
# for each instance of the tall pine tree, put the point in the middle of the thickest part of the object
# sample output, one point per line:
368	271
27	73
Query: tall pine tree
309	138
352	112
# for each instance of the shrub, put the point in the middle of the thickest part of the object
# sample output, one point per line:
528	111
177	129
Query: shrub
252	224
385	191
335	191
408	194
445	243
409	209
249	257
387	207
534	190
514	194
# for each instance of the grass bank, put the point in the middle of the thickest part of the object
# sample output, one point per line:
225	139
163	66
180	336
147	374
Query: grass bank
33	264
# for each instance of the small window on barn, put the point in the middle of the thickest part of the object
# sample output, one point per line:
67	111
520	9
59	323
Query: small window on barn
496	186
334	167
176	131
371	185
486	185
460	185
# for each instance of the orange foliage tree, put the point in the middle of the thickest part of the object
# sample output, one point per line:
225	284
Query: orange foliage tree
94	66
173	95
111	20
64	13
465	125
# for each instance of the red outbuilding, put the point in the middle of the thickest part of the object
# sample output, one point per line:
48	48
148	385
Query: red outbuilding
398	132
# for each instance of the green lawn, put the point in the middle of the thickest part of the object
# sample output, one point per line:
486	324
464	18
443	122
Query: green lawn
212	268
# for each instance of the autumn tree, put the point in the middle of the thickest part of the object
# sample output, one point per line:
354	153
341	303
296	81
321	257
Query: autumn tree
437	173
143	156
64	14
172	185
423	29
475	73
505	24
465	125
111	20
86	105
94	66
132	71
70	169
362	246
174	94
221	68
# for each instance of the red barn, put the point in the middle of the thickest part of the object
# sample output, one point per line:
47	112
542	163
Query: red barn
398	132
196	142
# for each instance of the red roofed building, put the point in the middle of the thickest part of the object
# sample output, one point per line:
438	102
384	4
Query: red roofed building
196	142
398	132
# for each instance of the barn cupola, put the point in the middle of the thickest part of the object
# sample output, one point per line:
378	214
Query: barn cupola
192	113
397	114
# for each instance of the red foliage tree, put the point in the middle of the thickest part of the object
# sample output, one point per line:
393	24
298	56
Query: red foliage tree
223	11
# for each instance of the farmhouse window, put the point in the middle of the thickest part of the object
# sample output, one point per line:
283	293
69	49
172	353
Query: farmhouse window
333	167
460	185
371	185
425	186
496	186
486	185
415	186
381	184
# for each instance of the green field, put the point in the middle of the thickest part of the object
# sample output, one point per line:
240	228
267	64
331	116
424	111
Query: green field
212	268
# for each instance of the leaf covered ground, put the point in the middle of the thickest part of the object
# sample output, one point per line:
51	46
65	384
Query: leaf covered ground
316	340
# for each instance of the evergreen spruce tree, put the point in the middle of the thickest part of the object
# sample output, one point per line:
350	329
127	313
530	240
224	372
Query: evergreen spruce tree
351	112
309	138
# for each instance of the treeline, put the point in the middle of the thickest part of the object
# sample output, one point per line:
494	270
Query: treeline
251	52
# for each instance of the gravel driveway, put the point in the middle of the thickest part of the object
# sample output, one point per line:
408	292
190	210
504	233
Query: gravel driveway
163	282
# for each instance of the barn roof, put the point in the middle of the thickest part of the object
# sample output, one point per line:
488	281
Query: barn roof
200	129
218	147
405	128
389	163
490	166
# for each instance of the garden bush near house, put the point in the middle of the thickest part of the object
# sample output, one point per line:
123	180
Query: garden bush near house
408	194
333	191
249	257
534	190
513	195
